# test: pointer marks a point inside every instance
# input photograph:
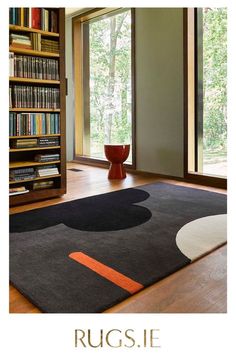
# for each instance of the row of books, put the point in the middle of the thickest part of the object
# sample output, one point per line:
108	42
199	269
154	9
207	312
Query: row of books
46	157
49	45
33	67
35	17
49	141
33	41
43	185
21	174
33	123
35	186
48	170
36	41
35	142
34	97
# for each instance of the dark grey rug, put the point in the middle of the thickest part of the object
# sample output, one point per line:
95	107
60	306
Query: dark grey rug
127	240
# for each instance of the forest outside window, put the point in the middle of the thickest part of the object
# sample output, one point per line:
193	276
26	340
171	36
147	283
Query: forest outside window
207	91
104	81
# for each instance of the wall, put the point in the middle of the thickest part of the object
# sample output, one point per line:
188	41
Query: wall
69	98
159	90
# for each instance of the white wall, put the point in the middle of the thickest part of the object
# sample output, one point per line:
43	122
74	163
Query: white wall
159	90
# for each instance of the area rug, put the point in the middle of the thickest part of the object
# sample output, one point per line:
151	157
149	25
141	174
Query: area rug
87	255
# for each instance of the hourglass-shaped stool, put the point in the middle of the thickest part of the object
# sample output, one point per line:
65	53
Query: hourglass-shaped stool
116	155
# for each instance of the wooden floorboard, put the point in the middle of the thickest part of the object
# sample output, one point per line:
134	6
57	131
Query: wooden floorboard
200	287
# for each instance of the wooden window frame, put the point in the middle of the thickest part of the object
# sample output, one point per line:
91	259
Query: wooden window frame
78	85
190	106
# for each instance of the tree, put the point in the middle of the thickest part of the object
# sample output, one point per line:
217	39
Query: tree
215	77
110	80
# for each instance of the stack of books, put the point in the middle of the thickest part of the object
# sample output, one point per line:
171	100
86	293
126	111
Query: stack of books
20	41
18	190
46	157
21	174
24	143
34	97
33	123
48	141
49	170
48	45
33	67
35	17
42	185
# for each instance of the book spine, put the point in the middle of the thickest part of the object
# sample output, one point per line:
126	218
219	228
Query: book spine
30	18
36	18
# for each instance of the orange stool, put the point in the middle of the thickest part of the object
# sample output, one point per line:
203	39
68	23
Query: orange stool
116	155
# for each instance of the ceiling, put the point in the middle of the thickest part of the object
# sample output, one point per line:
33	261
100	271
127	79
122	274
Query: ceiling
72	10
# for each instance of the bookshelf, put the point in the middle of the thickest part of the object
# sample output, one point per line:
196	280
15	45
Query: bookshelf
37	163
33	52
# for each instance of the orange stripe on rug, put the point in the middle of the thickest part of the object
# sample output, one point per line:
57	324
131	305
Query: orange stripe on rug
106	272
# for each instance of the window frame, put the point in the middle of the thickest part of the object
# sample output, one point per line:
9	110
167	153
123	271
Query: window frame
79	84
192	124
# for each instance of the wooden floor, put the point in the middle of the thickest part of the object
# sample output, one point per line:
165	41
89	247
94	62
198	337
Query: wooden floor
200	287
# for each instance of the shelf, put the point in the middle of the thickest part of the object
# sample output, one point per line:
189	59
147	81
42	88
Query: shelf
34	149
32	136
23	156
36	195
18	164
33	52
27	29
33	81
34	110
34	179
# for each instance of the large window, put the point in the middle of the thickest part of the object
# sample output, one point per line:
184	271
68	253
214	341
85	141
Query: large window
207	91
105	82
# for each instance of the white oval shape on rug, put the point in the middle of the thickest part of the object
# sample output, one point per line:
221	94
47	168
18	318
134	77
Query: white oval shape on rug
202	235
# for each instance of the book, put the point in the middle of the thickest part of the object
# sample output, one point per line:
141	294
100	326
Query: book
46	157
17	189
53	22
50	141
42	185
24	143
36	17
47	170
16	193
11	64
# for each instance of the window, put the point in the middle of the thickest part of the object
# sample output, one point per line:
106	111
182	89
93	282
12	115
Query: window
104	80
207	91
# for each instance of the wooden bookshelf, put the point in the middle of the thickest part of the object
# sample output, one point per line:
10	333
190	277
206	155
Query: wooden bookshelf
34	109
34	81
24	157
18	164
14	28
31	136
35	179
36	148
35	53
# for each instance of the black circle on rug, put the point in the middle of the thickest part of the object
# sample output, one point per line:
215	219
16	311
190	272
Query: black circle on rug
107	212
